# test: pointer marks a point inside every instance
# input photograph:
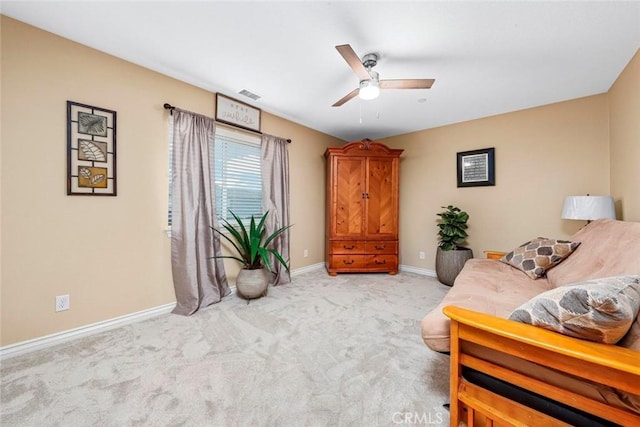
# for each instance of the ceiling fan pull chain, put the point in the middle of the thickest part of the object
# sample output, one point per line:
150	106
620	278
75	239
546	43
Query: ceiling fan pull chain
361	113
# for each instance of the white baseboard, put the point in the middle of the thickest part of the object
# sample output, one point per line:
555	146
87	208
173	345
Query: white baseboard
40	343
407	268
416	270
64	336
307	269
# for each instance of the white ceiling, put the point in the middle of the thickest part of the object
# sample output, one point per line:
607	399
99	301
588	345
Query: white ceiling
487	57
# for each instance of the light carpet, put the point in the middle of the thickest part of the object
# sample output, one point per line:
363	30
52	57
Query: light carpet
321	351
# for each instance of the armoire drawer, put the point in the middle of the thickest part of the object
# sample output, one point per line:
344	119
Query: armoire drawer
381	247
347	247
384	262
348	261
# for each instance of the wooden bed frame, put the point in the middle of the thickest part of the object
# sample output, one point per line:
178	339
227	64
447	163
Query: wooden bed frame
610	365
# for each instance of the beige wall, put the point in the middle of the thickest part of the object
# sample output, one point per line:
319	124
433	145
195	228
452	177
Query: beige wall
624	134
541	155
110	254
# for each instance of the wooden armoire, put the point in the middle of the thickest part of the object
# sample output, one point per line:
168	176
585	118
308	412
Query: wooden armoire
362	208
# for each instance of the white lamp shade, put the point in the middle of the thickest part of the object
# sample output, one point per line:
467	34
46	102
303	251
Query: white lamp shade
588	208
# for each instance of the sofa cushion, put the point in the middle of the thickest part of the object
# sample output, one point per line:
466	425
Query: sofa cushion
483	285
600	310
537	256
608	248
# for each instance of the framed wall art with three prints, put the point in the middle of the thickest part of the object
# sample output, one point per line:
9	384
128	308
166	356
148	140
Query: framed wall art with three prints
91	150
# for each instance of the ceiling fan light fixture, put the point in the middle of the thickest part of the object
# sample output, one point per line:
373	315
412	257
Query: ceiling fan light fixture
370	84
369	89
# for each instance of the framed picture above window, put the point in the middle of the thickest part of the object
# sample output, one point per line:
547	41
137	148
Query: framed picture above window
476	168
91	150
237	113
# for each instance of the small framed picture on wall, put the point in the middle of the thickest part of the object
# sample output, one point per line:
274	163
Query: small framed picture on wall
476	168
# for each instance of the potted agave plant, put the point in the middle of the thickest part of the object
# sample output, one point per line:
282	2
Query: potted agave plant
253	252
450	255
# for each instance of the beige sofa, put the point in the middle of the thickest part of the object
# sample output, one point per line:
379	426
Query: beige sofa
570	370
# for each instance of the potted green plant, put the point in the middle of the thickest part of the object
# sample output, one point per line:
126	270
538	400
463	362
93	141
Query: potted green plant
253	252
450	255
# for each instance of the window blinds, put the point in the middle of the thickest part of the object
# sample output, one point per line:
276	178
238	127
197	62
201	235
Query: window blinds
238	178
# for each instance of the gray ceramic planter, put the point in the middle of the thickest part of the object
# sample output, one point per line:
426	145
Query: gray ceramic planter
449	264
252	283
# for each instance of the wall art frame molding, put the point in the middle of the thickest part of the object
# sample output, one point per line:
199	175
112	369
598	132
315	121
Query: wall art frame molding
476	168
237	113
91	150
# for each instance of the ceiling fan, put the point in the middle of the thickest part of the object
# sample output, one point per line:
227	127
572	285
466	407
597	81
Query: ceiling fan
370	84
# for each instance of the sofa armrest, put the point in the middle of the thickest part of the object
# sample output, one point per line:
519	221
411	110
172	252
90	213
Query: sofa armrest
494	254
609	365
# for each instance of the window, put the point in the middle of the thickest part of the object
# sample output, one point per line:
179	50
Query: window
238	178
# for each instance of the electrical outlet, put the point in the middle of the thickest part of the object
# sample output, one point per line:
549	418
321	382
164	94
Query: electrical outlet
62	302
422	256
305	253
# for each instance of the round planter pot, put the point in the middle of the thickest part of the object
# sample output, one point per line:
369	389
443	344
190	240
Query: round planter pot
449	264
252	283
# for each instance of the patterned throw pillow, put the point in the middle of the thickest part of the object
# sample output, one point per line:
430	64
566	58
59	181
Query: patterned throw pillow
600	310
537	256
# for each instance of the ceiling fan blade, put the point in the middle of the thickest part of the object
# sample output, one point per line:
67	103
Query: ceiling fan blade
347	97
354	61
406	83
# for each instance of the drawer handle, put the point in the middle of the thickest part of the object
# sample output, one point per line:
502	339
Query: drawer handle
349	247
379	247
348	261
384	261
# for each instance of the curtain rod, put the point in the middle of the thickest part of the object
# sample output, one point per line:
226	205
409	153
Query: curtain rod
170	107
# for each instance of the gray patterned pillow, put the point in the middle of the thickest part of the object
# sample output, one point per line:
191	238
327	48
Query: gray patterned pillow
600	310
537	256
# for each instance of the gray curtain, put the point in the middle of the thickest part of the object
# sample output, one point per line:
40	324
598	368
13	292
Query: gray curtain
198	280
275	198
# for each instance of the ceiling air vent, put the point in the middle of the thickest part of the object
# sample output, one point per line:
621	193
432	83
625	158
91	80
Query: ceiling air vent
249	94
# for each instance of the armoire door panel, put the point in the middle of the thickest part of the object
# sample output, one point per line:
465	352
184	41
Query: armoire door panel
382	200
349	192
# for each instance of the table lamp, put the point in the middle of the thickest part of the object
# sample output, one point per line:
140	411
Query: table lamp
588	208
